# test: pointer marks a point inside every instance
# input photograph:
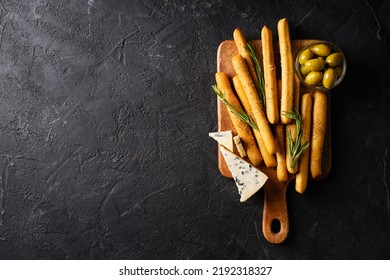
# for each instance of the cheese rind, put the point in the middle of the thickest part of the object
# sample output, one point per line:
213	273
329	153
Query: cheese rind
248	178
224	138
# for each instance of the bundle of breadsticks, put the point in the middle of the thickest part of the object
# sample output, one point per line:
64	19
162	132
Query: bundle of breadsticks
278	126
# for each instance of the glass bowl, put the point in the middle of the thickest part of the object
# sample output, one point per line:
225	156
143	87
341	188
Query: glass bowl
342	65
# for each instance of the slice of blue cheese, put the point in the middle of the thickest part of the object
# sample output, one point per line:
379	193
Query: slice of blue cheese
224	138
248	178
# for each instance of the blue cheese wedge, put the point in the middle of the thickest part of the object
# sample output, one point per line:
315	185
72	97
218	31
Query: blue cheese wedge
224	138
248	178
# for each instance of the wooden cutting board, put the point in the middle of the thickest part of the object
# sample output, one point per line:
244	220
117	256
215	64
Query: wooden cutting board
275	215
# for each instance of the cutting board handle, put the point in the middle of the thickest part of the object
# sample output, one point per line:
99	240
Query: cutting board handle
275	215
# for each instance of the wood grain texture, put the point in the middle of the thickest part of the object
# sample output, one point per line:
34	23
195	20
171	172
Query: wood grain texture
275	206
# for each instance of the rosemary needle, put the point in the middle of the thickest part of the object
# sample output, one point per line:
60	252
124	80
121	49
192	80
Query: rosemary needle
238	112
259	72
295	149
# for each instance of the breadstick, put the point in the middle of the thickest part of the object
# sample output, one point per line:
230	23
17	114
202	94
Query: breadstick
241	127
269	69
279	82
297	91
281	168
269	159
290	128
287	72
318	134
242	46
306	113
256	105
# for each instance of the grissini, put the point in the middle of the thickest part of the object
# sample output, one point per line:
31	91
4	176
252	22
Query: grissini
287	70
318	133
269	70
243	130
281	168
279	82
256	105
242	46
297	91
303	172
269	159
290	128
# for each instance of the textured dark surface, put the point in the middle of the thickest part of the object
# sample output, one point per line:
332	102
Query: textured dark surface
105	108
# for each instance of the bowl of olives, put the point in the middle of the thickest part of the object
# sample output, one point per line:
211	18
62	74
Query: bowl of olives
320	65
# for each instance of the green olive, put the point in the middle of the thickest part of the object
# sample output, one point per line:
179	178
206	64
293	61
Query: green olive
315	64
305	56
329	78
314	77
304	71
334	59
320	50
338	71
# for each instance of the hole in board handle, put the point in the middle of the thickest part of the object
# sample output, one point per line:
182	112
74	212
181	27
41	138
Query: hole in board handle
275	226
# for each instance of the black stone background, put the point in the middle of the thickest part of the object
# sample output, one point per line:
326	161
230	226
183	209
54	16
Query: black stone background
105	109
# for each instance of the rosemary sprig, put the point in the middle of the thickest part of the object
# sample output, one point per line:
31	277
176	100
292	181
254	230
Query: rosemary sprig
295	149
261	84
239	112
